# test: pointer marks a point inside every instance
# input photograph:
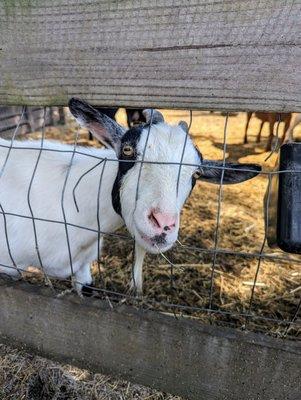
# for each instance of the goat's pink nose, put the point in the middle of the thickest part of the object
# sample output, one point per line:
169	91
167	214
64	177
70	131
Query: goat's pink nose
163	221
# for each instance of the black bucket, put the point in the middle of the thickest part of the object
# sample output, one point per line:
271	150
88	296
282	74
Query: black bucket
284	208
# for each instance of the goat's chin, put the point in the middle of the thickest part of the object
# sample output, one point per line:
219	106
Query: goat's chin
150	246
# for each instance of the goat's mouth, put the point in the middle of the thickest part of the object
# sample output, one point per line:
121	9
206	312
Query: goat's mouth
153	244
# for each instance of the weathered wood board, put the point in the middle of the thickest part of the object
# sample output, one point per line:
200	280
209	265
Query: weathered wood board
183	357
199	54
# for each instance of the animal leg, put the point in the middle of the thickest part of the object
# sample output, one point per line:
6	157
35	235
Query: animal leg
270	139
137	278
128	118
287	133
249	115
83	279
259	133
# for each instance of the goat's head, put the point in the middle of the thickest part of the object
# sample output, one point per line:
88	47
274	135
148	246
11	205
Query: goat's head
152	211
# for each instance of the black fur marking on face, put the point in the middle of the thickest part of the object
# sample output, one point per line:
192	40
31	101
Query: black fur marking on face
159	239
193	180
130	138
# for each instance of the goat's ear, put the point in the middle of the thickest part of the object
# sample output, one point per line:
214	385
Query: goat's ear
211	171
152	116
102	127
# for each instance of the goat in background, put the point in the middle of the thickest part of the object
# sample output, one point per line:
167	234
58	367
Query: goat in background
288	136
272	119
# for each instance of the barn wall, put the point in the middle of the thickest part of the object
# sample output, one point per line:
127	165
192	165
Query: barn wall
231	55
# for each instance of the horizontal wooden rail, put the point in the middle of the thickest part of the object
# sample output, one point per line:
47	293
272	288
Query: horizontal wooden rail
183	357
200	54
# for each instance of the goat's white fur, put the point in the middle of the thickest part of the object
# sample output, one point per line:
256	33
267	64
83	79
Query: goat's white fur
157	188
45	200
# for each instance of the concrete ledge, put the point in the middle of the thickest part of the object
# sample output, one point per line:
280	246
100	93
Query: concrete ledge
182	357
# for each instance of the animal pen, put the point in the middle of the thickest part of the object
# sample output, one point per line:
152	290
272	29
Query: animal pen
182	336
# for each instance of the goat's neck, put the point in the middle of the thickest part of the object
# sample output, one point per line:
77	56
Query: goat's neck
95	189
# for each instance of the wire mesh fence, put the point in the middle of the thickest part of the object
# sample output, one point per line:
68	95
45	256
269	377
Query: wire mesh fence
32	120
206	301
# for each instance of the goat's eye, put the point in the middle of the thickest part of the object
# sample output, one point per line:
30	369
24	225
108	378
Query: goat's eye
197	174
127	150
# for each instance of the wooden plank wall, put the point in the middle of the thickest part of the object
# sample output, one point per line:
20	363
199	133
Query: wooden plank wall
199	54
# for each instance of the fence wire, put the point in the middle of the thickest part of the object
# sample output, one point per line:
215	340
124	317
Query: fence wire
174	304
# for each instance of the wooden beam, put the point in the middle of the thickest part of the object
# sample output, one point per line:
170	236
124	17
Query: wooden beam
200	54
183	357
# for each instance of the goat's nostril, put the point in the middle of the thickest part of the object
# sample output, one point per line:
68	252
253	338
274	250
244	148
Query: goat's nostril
153	219
163	221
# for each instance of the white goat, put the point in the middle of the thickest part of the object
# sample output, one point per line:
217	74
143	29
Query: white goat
151	211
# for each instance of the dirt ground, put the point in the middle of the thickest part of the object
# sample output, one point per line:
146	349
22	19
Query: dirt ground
241	229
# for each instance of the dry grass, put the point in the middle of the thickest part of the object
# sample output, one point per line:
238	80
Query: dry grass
24	376
277	293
